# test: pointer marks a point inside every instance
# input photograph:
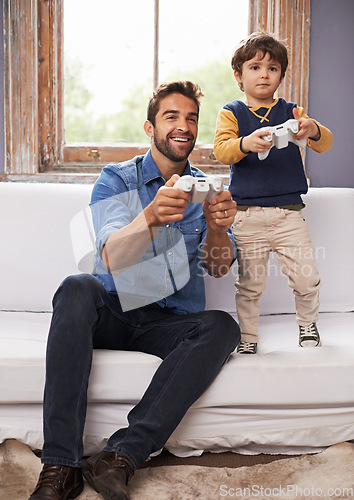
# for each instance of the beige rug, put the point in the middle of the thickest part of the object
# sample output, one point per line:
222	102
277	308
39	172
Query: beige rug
328	474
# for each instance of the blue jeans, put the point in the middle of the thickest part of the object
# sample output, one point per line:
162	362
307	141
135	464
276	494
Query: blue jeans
193	348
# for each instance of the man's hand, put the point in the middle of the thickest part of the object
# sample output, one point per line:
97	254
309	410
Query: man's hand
220	213
307	127
168	205
218	251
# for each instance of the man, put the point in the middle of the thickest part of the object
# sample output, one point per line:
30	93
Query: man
140	218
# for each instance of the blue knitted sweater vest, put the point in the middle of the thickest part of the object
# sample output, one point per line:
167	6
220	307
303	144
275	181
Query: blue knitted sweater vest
279	179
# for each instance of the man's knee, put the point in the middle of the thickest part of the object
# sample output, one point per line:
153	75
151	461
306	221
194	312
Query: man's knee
76	289
223	327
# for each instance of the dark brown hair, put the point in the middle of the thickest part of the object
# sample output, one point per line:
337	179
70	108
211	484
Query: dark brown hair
265	43
186	88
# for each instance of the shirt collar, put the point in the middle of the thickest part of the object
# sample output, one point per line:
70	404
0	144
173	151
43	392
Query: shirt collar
151	170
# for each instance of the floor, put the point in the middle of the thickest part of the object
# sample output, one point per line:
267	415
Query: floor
232	460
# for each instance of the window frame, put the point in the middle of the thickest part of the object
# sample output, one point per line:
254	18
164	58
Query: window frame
289	20
34	130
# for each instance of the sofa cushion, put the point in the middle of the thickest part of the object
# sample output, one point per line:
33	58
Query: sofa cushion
23	338
38	254
35	250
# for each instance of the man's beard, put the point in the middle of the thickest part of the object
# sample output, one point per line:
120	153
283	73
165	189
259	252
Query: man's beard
166	148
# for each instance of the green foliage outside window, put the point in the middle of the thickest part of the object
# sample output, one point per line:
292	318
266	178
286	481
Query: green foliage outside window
126	126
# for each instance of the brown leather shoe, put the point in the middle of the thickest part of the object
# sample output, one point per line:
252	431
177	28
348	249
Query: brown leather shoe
108	474
57	482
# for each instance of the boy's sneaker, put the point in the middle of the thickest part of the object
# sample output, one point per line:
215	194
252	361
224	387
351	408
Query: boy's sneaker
247	347
309	336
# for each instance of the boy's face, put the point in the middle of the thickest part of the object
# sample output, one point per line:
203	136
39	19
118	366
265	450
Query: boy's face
260	79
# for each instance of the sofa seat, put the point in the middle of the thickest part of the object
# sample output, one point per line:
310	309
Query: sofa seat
23	350
298	398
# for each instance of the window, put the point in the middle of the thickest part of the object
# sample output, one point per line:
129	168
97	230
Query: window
34	93
130	55
110	76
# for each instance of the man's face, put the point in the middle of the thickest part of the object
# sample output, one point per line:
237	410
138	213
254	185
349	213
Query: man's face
176	127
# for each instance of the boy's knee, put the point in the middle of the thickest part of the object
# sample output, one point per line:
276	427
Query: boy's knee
307	279
308	285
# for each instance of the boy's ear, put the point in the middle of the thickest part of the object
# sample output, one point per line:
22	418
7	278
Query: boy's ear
238	76
149	128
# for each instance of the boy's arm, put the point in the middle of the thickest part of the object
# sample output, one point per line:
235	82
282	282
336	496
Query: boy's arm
320	143
227	143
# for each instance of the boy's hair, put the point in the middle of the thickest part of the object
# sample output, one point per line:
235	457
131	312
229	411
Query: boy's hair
265	43
186	88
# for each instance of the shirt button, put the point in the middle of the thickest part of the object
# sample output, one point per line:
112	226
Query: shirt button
167	225
197	230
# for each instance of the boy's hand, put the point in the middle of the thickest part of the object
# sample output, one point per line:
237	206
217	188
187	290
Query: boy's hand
307	128
255	143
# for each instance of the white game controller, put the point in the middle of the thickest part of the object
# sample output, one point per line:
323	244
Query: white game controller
202	188
281	135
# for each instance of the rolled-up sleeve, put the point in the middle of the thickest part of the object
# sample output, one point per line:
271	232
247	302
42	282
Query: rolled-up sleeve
112	209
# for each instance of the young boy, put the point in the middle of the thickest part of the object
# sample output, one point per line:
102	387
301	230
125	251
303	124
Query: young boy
268	192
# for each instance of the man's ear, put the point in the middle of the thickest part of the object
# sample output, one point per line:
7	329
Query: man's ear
149	128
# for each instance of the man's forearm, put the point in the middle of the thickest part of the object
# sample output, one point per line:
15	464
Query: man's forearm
128	245
218	254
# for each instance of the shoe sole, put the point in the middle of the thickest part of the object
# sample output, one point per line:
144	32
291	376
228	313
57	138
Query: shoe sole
76	492
310	343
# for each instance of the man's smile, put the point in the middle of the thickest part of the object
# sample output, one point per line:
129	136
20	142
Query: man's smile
180	138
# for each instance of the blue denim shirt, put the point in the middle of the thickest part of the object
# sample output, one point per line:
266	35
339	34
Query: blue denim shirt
171	271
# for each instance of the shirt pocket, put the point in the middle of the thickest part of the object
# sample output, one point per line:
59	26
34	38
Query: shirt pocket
193	233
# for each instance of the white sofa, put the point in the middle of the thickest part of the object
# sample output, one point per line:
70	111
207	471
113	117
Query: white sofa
284	399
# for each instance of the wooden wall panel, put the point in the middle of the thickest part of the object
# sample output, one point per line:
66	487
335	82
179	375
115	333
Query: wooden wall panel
21	99
289	20
50	84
